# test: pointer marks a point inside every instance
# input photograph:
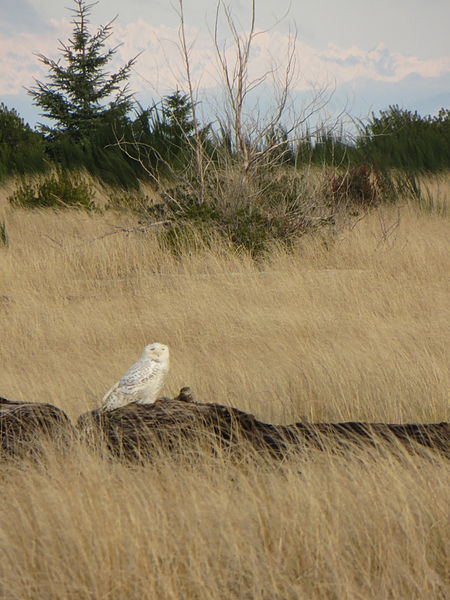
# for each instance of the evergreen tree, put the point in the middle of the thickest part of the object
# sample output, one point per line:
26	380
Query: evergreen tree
80	93
403	139
176	126
167	132
22	150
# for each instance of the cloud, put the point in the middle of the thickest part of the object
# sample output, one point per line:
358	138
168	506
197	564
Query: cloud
160	67
20	15
380	64
20	66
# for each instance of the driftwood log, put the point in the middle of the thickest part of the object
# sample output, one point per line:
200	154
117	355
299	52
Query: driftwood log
26	426
136	432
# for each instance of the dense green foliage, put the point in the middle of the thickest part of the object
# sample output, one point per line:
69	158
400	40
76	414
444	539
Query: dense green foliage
396	138
161	140
163	135
22	150
100	154
59	190
403	139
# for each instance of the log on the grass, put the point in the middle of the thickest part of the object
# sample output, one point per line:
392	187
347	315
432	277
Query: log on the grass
137	431
412	436
26	426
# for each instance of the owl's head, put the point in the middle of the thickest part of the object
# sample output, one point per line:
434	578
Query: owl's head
156	350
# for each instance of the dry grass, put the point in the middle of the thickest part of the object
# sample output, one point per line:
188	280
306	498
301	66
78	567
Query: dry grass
352	327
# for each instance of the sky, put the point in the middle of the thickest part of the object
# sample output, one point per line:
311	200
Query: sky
363	55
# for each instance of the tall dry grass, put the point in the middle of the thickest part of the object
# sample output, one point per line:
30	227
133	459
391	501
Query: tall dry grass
354	326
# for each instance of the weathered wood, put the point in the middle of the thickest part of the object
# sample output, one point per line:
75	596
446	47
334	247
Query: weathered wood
412	436
136	431
25	426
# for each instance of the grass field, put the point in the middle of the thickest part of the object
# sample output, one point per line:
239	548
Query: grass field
354	326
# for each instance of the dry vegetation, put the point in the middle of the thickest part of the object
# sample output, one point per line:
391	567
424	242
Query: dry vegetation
351	327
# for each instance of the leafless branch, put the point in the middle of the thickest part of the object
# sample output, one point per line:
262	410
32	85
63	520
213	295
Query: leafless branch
117	229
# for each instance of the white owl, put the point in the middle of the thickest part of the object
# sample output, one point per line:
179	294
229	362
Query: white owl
143	380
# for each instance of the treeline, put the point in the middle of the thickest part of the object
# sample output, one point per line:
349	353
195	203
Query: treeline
119	151
395	138
96	124
160	138
403	139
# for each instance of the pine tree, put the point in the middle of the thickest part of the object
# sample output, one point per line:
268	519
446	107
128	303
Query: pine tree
167	130
80	93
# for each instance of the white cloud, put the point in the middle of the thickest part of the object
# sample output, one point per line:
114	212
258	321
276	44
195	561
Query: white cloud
380	64
161	64
19	65
160	67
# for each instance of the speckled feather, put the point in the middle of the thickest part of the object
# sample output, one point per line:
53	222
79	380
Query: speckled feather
143	380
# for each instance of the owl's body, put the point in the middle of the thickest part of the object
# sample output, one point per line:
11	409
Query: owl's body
143	380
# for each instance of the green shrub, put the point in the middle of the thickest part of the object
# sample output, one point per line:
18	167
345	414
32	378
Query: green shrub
99	155
56	191
22	150
404	139
250	215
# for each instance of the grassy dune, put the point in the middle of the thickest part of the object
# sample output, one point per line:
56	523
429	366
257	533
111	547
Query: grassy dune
352	327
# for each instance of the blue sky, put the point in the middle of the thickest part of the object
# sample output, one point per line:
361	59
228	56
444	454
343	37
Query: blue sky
367	54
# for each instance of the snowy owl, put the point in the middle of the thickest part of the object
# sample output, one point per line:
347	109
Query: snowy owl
143	380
